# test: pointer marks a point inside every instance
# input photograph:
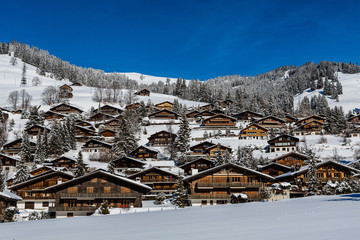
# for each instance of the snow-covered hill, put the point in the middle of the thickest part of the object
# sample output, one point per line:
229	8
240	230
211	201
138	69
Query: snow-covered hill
349	100
321	217
147	79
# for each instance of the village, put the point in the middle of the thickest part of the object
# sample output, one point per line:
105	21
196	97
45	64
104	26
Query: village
210	166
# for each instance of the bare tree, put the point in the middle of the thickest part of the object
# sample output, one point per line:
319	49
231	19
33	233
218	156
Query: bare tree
108	95
115	86
50	95
13	99
98	94
25	99
13	61
130	96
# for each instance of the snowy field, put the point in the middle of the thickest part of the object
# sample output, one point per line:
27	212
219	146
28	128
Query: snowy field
312	218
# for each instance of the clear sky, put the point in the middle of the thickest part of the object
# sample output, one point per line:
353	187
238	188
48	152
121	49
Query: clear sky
190	39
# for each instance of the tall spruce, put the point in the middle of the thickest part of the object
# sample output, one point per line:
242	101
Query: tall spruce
80	168
180	195
2	179
22	173
313	184
125	140
111	167
25	151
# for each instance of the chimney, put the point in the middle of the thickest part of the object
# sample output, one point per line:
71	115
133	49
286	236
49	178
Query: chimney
194	171
59	180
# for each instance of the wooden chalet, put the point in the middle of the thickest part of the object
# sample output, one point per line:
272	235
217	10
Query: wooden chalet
66	87
81	196
76	84
112	124
253	131
192	114
164	105
143	92
41	170
65	108
134	106
35	129
292	159
226	103
309	128
14	147
207	107
66	91
32	190
158	179
83	133
64	162
355	132
283	143
108	134
143	152
49	115
218	111
128	164
164	114
109	110
219	120
199	149
196	166
290	119
247	116
274	169
161	138
354	119
271	122
204	114
217	184
325	171
310	119
7	199
7	163
100	117
94	145
213	150
83	123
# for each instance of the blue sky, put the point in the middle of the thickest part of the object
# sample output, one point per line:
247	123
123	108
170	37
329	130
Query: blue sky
190	39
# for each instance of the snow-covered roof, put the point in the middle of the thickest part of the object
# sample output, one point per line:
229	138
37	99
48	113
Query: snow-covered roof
10	195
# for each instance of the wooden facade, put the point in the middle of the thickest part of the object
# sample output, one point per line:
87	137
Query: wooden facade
32	190
49	115
271	122
274	169
84	132
108	133
216	185
161	138
253	131
112	124
100	117
310	119
200	148
309	128
65	108
197	165
134	106
164	114
65	91
192	114
226	103
109	110
14	147
143	152
213	150
219	120
283	143
7	163
204	114
94	145
41	170
7	199
128	164
247	116
35	129
158	179
207	107
290	119
65	162
143	92
354	119
355	132
292	159
165	105
83	195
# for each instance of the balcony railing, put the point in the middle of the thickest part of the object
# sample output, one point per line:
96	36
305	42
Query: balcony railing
230	185
172	180
96	195
82	208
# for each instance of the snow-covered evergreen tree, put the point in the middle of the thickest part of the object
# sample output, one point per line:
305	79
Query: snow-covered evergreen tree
124	141
80	168
183	142
104	208
22	173
25	151
313	183
23	78
180	195
2	179
111	167
34	117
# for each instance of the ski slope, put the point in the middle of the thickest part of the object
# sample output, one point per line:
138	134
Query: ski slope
319	217
147	79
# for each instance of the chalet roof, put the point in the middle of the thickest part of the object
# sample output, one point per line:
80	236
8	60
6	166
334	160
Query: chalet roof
131	159
284	136
205	111
9	195
277	119
227	165
40	177
247	111
301	126
164	102
63	157
286	168
312	116
306	168
131	105
147	148
95	140
102	114
17	140
194	111
55	113
288	154
94	173
216	145
66	104
152	169
352	117
36	125
198	159
162	131
86	129
202	143
256	125
142	90
221	115
6	156
107	130
164	110
38	168
291	117
65	85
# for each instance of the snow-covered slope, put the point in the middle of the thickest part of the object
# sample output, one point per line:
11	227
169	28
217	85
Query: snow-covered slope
350	98
322	217
147	79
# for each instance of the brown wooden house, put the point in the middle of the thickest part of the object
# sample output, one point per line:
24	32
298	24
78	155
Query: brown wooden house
164	114
354	119
309	128
65	108
283	143
83	133
128	164
134	106
94	145
226	103
35	129
192	114
143	92
271	122
7	199
355	132
158	179
310	119
8	164
49	115
217	184
247	116
143	152
81	196
76	84
199	149
207	107
274	169
14	147
83	123
290	119
161	138
109	110
205	114
100	117
41	170
108	134
32	190
219	120
64	162
253	131
112	124
165	105
292	159
213	150
197	165
65	91
66	87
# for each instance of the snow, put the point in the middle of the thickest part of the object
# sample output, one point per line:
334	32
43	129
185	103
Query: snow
8	194
147	79
319	217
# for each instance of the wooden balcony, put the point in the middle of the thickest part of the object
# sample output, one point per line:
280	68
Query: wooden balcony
172	180
82	208
90	196
233	185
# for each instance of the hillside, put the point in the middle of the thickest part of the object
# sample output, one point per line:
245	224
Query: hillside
325	217
147	79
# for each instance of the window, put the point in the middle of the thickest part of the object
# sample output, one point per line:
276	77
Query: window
103	180
125	190
45	204
90	189
72	190
107	189
94	180
319	175
70	214
336	175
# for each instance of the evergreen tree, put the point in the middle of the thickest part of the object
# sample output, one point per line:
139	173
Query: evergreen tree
80	168
104	208
23	79
313	182
339	89
313	85
184	132
125	140
25	151
10	213
320	83
111	167
219	159
45	145
180	195
22	173
39	154
2	179
34	117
